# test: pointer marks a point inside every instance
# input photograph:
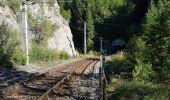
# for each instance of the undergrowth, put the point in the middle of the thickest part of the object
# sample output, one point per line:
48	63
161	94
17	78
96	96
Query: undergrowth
137	90
42	53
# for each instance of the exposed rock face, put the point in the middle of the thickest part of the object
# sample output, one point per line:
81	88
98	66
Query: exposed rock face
62	40
7	16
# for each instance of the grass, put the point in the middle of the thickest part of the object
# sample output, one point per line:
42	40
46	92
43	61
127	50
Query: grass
123	88
120	56
119	89
42	53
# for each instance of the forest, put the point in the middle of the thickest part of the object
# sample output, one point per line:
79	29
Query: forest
144	25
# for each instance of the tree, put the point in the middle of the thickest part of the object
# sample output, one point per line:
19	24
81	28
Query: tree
90	28
157	34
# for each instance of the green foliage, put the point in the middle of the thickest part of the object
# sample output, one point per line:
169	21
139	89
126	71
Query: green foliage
14	5
101	10
8	42
150	50
42	27
42	53
18	57
143	71
90	29
136	90
157	34
118	63
50	4
93	53
120	56
137	50
46	29
65	12
108	18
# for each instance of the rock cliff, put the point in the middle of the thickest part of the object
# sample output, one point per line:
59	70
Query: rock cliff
62	39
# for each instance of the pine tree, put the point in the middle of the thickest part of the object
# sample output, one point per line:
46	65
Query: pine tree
157	34
90	27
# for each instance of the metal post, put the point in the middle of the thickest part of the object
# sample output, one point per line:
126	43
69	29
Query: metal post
25	29
100	78
101	45
104	88
85	45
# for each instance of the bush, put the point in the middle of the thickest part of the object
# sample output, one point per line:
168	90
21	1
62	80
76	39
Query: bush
14	5
143	71
18	57
8	42
42	28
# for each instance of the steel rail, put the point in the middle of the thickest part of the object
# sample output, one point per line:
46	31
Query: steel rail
57	86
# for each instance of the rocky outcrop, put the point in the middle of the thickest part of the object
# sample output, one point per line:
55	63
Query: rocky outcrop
62	40
8	17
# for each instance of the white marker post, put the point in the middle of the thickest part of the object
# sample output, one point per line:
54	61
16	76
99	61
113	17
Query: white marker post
25	29
85	45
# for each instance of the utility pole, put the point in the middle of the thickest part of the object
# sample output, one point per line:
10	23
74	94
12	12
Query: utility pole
101	45
85	45
25	29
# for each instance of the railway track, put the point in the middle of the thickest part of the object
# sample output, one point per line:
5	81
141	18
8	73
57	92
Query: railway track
81	86
42	86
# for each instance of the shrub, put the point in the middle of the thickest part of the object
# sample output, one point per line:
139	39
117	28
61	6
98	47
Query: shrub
14	5
42	28
47	29
8	42
18	57
143	71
